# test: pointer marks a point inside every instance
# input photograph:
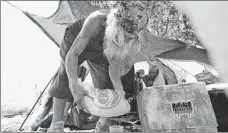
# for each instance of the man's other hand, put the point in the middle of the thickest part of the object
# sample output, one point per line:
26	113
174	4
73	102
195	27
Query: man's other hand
121	92
79	93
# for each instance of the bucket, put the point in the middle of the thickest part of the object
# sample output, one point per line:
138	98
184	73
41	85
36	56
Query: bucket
116	128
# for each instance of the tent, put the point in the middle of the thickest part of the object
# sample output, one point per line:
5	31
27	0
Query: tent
69	11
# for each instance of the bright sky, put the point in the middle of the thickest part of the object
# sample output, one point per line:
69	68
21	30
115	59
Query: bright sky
28	56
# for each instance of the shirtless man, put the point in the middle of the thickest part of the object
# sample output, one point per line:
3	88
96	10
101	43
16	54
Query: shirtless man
149	78
111	41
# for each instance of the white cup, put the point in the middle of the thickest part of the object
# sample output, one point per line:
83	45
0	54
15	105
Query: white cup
116	128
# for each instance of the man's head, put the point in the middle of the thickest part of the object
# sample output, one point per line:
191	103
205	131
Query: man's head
183	81
153	71
131	16
123	24
140	73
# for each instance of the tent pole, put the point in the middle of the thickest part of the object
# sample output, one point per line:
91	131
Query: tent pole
20	129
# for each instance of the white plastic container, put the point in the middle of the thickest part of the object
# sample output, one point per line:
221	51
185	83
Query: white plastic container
116	128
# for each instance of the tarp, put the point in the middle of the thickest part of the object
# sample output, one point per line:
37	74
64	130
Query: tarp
69	11
192	53
66	14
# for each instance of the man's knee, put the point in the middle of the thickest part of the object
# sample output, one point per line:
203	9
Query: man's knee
58	101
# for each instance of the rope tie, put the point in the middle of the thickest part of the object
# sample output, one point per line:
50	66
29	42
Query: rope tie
13	5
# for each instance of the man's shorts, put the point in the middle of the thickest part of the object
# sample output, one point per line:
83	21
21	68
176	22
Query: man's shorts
100	76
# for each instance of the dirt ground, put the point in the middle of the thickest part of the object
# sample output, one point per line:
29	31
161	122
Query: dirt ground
13	124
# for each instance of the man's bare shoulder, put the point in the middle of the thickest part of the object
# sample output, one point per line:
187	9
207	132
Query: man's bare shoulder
100	13
94	22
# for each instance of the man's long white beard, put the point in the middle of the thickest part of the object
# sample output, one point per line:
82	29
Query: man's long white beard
116	44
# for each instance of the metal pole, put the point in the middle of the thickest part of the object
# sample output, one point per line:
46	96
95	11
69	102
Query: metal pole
36	102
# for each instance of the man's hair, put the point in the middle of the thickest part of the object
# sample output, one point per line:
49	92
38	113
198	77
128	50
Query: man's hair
153	68
141	71
116	43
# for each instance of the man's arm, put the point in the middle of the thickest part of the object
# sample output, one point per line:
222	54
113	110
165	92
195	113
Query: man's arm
90	28
71	62
115	76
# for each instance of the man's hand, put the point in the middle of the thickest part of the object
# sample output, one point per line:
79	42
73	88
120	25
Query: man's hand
79	93
115	76
121	92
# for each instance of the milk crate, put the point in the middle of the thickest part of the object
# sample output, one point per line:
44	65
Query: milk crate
175	108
